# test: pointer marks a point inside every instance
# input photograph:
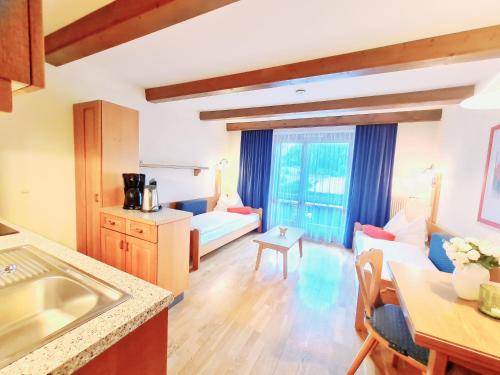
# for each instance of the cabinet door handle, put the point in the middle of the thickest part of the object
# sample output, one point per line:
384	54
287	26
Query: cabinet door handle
138	230
111	222
121	244
96	197
126	246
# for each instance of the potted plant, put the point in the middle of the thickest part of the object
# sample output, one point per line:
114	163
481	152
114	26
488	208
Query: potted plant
473	260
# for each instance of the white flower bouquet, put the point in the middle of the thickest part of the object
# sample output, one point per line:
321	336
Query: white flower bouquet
463	251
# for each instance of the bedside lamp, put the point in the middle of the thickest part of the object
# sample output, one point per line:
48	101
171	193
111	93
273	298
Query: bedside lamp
222	164
219	168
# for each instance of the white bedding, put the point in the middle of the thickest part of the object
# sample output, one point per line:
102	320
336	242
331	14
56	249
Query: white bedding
393	251
215	224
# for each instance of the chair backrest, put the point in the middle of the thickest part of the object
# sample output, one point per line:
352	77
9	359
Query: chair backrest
369	279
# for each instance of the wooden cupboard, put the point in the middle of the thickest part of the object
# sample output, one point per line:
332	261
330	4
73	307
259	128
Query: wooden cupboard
153	250
21	49
129	254
142	260
106	145
113	248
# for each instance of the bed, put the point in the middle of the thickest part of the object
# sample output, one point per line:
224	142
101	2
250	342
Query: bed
211	229
393	251
408	254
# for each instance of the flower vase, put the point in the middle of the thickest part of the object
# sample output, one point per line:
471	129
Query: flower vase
468	279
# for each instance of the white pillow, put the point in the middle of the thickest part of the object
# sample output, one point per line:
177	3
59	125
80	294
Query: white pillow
415	233
397	223
226	201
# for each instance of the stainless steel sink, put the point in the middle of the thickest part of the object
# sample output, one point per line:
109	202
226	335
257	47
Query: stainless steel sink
42	297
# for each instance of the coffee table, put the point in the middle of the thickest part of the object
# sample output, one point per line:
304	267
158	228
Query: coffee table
272	240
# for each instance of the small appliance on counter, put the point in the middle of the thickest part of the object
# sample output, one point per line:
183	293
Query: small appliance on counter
133	187
150	198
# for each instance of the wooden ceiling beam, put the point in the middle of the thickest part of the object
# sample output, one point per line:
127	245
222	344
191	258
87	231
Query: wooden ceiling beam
360	119
119	22
457	47
450	95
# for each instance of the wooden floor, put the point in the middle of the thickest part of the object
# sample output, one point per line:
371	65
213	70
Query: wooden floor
234	320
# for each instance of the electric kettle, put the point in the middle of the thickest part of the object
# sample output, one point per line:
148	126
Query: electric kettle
150	198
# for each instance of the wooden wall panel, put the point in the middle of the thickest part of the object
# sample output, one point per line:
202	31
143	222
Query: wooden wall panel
14	40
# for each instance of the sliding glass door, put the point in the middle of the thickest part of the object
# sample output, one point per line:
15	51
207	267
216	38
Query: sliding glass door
310	177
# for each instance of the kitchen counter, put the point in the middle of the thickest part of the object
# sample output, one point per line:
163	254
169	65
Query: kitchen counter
76	348
164	216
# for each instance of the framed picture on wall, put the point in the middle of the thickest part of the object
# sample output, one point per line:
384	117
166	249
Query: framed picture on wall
489	207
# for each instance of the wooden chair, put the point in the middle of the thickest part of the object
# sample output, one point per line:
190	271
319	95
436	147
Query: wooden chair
385	323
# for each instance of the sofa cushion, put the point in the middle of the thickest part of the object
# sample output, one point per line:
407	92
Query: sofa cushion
196	206
437	254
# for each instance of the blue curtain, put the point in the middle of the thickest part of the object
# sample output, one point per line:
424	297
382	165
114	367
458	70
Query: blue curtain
255	169
371	178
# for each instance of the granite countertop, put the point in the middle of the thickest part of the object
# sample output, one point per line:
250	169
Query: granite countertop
164	216
77	347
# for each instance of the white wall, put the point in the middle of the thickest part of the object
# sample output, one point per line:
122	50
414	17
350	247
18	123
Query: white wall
172	133
37	176
416	150
37	183
463	144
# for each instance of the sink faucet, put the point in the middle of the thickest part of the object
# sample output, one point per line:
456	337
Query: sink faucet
11	268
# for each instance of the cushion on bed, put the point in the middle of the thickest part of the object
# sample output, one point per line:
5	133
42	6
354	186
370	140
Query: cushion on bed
376	232
437	254
240	210
195	206
397	222
227	201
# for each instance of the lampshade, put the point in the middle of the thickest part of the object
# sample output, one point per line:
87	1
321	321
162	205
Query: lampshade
487	96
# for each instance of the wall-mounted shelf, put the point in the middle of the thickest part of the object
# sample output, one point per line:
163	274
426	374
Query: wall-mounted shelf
196	169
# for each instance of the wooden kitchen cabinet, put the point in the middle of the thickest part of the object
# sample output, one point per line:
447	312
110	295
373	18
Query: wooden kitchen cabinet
129	254
142	259
156	251
21	49
106	139
113	248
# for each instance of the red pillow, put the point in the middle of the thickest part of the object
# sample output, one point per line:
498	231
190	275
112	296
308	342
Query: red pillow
240	210
379	233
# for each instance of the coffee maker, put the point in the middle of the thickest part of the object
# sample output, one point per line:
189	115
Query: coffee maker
133	187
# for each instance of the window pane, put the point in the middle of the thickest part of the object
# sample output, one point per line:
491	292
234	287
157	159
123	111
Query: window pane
289	171
310	181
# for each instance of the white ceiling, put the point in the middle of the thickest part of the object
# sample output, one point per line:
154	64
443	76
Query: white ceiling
253	34
59	13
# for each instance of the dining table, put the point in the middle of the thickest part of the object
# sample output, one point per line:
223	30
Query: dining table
453	329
